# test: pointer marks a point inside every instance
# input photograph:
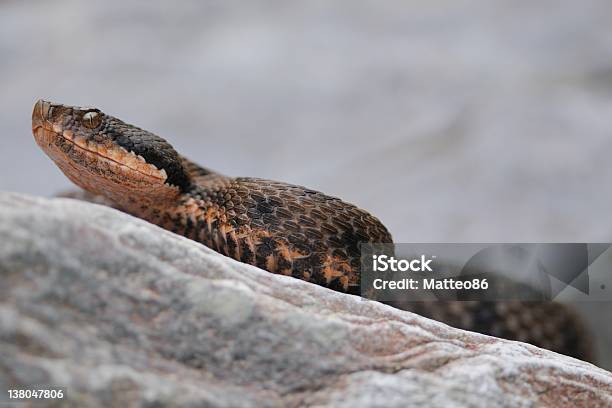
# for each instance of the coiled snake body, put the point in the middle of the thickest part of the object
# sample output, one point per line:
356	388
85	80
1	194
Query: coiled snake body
276	226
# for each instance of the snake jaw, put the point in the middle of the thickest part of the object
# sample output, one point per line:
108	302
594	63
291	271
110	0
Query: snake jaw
95	159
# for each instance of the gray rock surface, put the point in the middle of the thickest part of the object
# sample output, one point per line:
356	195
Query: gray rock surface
122	313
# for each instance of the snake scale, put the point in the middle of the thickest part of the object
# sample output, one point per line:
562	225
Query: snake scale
276	226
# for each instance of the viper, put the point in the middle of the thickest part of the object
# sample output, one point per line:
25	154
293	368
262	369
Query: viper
279	227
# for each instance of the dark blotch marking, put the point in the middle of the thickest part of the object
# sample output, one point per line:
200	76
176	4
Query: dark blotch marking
231	244
301	266
283	263
201	226
336	285
188	227
264	249
246	256
155	150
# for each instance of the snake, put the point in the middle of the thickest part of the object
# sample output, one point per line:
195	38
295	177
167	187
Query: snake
279	227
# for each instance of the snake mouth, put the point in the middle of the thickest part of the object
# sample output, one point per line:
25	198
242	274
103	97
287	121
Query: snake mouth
116	156
46	133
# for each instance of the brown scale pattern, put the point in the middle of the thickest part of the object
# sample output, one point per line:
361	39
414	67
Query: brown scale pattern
549	325
278	227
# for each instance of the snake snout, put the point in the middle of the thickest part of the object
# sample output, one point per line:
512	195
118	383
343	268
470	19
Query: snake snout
40	113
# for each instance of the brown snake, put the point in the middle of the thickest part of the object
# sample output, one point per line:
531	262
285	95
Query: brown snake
279	227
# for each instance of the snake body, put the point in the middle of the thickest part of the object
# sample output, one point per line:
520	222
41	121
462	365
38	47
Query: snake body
276	226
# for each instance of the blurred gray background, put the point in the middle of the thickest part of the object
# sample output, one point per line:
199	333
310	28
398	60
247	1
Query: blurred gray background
451	121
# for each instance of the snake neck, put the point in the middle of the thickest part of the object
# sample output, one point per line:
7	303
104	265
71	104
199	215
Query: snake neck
196	213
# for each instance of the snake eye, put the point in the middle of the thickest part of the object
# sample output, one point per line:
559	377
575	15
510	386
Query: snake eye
92	120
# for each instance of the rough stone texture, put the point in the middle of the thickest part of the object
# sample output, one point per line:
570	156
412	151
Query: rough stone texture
123	313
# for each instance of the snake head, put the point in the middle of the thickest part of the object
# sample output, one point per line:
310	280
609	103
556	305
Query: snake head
107	156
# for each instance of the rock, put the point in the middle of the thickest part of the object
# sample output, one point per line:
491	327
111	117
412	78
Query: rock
123	313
